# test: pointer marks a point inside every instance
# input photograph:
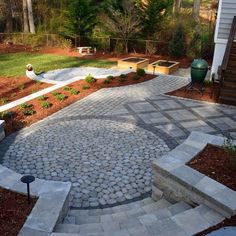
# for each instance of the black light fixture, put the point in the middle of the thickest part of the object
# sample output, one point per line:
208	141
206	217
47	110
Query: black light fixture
154	68
27	179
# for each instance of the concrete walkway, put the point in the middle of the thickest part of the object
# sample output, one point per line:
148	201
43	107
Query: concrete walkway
99	140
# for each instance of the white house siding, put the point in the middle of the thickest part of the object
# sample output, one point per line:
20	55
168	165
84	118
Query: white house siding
226	13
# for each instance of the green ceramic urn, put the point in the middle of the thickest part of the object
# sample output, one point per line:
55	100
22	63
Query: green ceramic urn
199	68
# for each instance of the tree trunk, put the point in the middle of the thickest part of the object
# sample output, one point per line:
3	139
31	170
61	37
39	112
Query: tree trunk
31	17
9	20
196	9
176	6
25	17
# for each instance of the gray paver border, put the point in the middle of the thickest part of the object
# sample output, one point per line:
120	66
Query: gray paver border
179	181
2	132
51	207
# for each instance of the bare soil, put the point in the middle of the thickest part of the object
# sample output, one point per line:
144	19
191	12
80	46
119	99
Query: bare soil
14	210
13	88
19	120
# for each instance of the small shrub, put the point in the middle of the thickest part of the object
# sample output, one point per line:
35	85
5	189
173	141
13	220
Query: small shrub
85	87
42	98
67	88
140	72
208	82
110	77
33	91
25	105
176	45
5	115
55	94
4	100
106	81
136	77
46	105
89	79
123	76
230	149
39	82
13	95
28	112
74	92
21	86
60	97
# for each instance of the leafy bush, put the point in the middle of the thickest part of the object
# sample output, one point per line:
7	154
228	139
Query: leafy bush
208	82
176	45
136	77
110	77
74	91
25	105
67	88
4	100
46	105
140	72
28	112
60	97
13	95
122	79
55	94
230	149
85	87
5	115
89	79
42	98
195	47
123	76
106	81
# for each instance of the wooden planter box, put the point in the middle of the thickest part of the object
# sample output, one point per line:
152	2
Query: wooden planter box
169	68
133	63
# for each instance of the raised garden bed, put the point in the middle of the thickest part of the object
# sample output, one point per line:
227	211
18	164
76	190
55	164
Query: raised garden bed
163	67
41	107
133	63
214	162
14	211
13	88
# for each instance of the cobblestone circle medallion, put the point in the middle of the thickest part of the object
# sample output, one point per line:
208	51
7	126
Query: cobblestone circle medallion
107	161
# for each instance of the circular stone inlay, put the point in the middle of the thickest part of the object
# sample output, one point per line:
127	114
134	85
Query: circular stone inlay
107	161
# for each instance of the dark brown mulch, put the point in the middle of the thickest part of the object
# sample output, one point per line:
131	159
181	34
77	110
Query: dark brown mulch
14	210
214	162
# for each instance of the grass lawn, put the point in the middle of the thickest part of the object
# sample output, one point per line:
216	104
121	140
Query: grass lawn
13	64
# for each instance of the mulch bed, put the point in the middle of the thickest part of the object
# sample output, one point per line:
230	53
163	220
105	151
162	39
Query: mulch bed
14	210
209	94
214	162
13	88
19	120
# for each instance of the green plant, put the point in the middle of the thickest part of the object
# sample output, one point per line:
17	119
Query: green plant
122	79
123	76
89	79
208	82
106	81
136	77
230	149
28	112
140	72
5	115
194	49
25	105
176	45
74	92
85	87
110	77
21	86
55	94
46	105
60	97
4	100
42	98
67	88
39	82
33	91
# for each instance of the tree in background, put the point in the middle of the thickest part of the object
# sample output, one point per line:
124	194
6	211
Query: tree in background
81	17
9	19
28	17
124	23
176	6
25	17
196	9
177	43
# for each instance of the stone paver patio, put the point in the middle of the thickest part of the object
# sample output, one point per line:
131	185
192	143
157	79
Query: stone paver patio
105	143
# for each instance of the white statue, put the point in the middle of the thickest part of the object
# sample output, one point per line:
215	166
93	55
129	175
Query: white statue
30	73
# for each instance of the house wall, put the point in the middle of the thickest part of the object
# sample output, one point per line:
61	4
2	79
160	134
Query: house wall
226	13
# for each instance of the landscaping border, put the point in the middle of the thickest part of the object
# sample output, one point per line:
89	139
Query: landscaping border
51	207
180	182
2	132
